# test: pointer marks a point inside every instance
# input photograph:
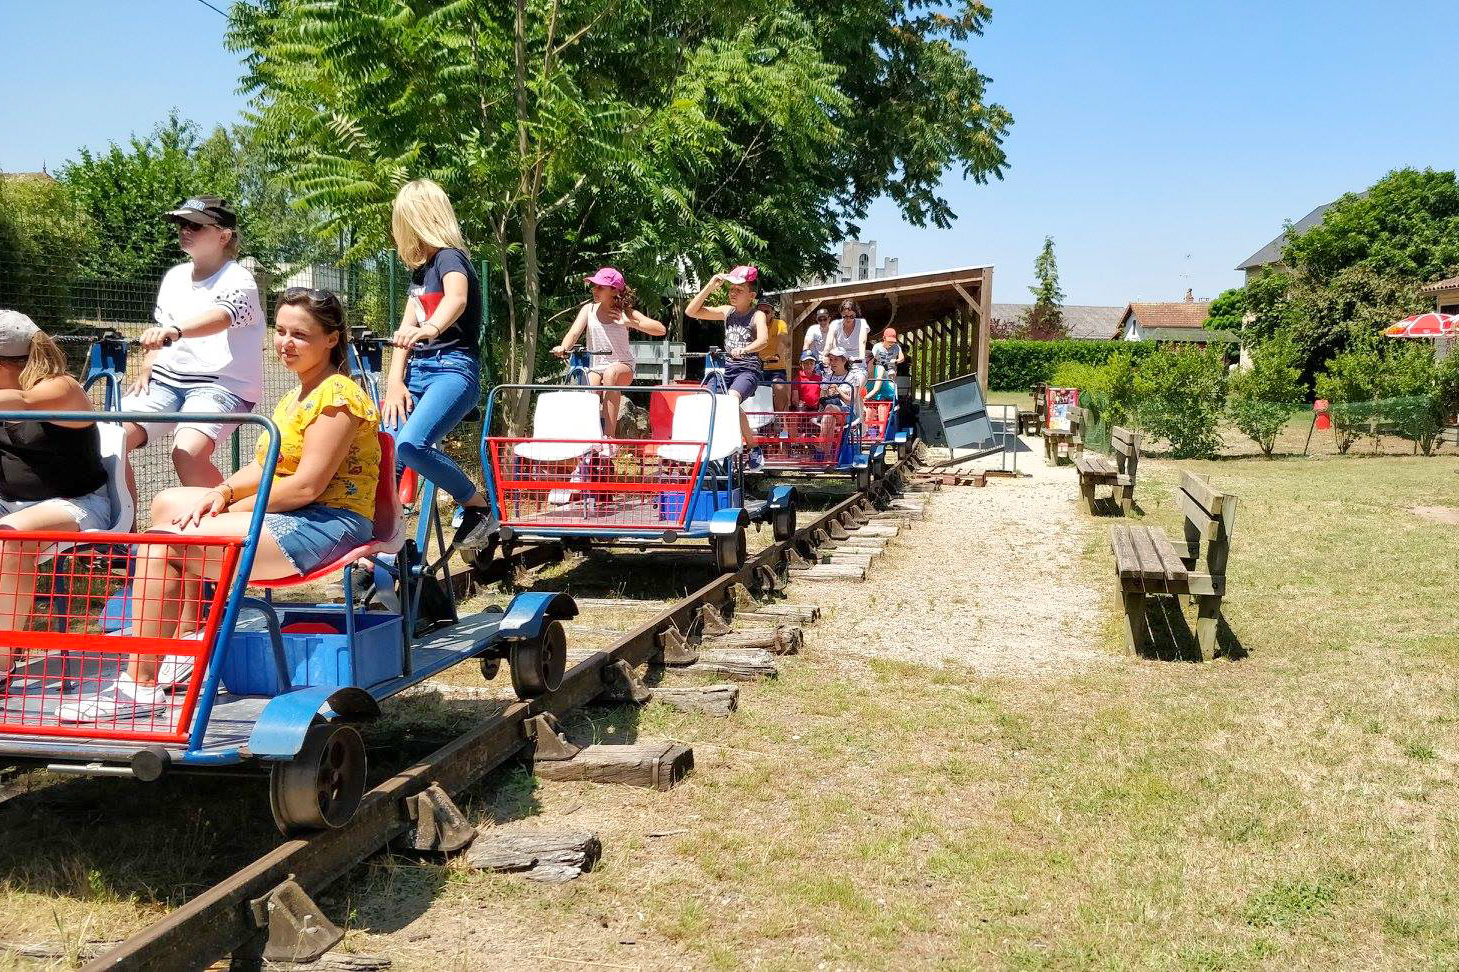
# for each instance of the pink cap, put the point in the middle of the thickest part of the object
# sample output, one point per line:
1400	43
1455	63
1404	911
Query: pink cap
742	275
607	277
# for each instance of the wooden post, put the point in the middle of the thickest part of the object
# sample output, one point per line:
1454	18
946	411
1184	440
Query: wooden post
985	298
1208	616
1136	630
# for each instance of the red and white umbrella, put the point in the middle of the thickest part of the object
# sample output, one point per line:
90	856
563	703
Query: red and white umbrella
1430	325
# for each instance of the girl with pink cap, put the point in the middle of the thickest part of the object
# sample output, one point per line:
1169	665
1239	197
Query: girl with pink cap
608	318
746	332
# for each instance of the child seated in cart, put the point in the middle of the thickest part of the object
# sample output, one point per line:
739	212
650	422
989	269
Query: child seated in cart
838	401
51	473
320	504
806	393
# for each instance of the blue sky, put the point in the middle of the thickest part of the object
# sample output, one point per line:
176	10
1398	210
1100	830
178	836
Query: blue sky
1159	143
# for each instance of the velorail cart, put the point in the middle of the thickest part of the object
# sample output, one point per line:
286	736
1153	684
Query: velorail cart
566	479
257	681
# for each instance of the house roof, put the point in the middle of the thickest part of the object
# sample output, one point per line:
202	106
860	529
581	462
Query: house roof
1272	252
1168	314
41	176
1084	321
1448	283
1186	335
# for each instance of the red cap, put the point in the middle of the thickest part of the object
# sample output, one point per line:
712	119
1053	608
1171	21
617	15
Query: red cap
607	277
742	275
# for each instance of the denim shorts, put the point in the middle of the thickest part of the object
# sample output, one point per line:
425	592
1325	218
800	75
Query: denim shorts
202	400
91	511
317	534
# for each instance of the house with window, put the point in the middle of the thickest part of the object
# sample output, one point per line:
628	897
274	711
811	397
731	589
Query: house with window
1170	322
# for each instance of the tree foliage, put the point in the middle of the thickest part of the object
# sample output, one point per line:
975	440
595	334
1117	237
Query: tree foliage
1226	311
671	139
1361	268
43	238
1181	392
124	189
1264	397
1044	321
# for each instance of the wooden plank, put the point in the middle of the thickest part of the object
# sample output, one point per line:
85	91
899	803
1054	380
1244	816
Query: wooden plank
717	700
1196	515
551	858
1151	568
656	764
1200	490
781	640
1127	558
743	664
1170	562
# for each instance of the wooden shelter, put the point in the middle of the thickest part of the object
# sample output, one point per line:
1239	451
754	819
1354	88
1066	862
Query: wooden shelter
942	318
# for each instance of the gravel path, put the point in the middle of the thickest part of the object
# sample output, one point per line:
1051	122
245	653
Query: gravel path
990	579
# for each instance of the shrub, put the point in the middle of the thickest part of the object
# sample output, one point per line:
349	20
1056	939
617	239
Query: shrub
1263	398
1019	365
1181	394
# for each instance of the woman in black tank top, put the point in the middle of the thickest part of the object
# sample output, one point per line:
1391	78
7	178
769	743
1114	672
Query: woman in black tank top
51	475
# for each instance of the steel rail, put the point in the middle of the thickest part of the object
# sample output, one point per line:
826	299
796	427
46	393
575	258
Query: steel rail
218	921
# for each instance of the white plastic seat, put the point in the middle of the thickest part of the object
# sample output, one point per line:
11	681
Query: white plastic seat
691	428
759	410
560	415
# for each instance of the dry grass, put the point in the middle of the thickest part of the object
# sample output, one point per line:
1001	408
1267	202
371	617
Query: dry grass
1295	809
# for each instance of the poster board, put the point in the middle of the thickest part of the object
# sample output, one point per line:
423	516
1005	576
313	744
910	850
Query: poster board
1060	401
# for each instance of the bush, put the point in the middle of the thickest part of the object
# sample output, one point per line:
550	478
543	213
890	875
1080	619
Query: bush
1019	365
1393	386
1262	399
1181	395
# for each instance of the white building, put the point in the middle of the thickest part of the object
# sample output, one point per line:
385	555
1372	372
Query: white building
858	262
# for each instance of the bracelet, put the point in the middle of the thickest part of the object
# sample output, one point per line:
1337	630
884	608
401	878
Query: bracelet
228	496
174	327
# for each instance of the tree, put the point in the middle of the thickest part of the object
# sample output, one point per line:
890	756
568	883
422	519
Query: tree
672	139
125	189
44	238
1361	268
1263	398
1045	319
1227	311
1181	392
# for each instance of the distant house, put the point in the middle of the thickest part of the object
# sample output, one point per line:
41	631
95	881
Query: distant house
1271	254
1170	322
1445	294
1084	322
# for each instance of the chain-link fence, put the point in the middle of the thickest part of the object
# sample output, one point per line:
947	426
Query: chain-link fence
80	310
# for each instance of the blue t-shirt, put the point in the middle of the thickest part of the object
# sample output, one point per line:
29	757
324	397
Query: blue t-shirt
428	287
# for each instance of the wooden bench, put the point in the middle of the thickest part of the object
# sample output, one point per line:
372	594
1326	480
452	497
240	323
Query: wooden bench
1072	438
1147	561
1032	423
1119	475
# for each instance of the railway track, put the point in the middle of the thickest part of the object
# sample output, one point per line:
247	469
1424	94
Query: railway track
269	899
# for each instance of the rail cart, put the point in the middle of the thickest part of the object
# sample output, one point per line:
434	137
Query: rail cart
825	441
254	682
568	480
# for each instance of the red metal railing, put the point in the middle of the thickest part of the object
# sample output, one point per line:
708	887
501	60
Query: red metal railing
87	620
613	484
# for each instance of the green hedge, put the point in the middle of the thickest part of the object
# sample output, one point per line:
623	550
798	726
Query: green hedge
1019	365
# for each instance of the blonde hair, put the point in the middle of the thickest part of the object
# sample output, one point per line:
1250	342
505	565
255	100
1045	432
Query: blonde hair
234	241
423	221
45	360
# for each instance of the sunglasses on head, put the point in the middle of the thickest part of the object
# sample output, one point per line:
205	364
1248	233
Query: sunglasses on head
313	293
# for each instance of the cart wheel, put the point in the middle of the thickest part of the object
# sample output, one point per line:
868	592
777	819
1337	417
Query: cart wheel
490	666
863	478
879	465
783	523
537	665
730	551
321	787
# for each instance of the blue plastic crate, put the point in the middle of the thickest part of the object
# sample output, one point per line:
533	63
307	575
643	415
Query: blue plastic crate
315	659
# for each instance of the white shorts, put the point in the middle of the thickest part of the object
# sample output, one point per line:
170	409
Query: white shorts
192	399
601	363
90	512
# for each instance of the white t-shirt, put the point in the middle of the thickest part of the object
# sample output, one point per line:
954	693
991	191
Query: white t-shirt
815	340
231	358
852	345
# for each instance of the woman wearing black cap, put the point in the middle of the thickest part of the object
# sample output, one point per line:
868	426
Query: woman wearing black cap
205	352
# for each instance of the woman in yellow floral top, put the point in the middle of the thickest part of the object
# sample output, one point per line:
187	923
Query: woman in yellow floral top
320	504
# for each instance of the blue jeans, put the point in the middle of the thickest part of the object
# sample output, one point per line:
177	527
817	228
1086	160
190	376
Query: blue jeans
445	387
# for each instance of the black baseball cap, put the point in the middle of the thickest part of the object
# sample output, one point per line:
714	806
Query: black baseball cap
203	211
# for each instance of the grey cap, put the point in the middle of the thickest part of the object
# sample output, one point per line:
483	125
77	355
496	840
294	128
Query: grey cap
16	330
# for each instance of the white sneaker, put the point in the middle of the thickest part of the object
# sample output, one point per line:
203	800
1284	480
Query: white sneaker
123	697
174	673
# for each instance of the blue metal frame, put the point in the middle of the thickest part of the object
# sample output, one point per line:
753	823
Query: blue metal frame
732	470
